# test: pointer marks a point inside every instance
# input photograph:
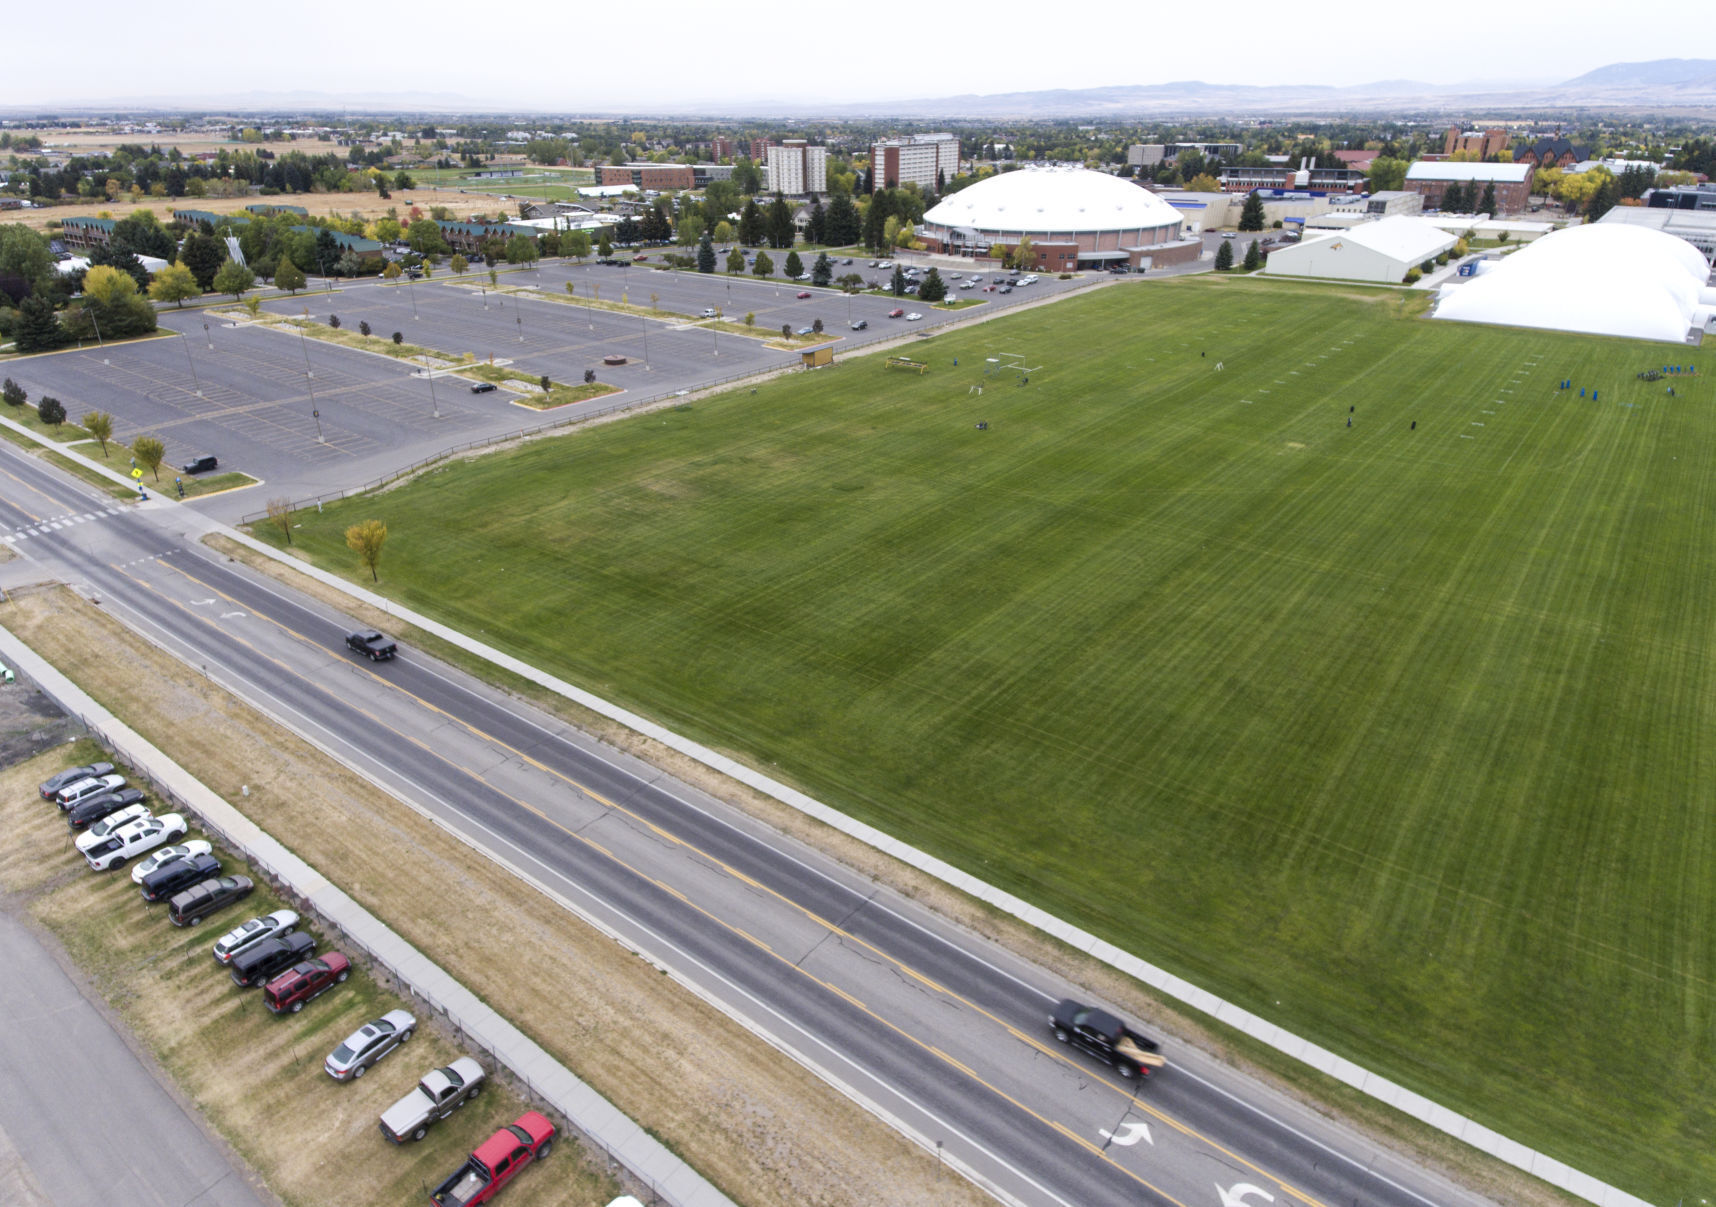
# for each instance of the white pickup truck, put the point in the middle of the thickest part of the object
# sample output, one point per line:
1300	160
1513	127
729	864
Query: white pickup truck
439	1094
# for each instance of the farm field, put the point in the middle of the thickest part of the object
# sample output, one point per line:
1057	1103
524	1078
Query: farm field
1398	735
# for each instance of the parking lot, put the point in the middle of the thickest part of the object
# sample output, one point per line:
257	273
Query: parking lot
305	416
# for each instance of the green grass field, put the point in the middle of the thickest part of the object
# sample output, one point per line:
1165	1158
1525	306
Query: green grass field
1399	737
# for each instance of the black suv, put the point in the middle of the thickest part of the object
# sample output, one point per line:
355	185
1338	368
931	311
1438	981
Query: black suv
201	465
92	809
190	907
179	875
256	965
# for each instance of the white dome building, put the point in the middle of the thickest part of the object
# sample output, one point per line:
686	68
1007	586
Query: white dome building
1075	218
1600	280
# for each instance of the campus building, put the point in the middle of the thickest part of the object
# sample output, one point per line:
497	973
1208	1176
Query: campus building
656	176
1303	179
464	237
1074	218
926	160
1512	181
1381	250
1486	144
84	233
1556	152
797	169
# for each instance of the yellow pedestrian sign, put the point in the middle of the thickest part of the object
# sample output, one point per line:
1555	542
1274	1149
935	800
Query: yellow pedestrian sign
137	474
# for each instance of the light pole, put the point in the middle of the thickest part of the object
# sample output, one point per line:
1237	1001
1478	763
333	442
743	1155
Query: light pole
645	321
518	318
430	374
209	338
310	382
409	284
189	361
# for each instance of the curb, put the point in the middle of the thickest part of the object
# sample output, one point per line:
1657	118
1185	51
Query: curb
546	1078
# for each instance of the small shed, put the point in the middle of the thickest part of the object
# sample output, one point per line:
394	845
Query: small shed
811	358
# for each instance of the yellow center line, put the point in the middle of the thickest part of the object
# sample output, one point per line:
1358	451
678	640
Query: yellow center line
1056	1052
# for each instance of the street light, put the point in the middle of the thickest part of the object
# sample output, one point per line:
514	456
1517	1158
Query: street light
409	284
189	361
430	374
518	318
645	321
310	382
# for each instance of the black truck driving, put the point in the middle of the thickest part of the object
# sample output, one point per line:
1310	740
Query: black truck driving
1106	1038
373	646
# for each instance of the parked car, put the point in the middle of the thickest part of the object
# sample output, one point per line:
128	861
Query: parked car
98	808
439	1094
496	1161
860	324
484	387
190	907
884	264
709	312
202	465
133	838
178	875
913	317
807	331
371	645
287	993
1006	289
108	823
896	313
92	786
259	963
368	1044
166	855
804	293
50	787
989	289
247	934
847	260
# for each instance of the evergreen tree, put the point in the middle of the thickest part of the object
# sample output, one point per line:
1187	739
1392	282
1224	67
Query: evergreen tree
933	289
1224	256
1251	216
816	223
1254	256
876	221
866	182
1488	204
706	253
781	232
38	326
122	259
823	271
897	284
794	265
203	255
1603	200
841	226
751	224
289	276
735	261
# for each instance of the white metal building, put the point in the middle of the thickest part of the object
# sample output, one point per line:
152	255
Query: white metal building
1697	227
1379	251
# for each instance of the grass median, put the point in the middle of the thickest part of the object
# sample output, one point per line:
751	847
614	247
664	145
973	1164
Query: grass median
1331	657
258	1078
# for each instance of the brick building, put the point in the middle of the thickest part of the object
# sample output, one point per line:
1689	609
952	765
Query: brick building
922	159
1486	143
760	149
1512	181
723	148
649	175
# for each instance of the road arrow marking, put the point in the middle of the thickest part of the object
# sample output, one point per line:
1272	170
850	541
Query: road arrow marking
229	615
201	603
1129	1134
1237	1196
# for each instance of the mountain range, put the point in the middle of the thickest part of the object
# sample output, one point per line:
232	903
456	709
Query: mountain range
1658	85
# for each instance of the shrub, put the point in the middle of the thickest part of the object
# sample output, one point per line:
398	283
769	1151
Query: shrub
1065	276
589	376
334	321
1413	276
363	327
398	338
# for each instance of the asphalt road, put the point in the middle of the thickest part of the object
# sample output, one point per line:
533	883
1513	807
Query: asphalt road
82	1119
938	1029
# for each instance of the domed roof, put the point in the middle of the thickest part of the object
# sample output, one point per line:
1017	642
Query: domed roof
1053	199
1601	279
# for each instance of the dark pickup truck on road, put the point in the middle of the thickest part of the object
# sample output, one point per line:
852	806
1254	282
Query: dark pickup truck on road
1106	1038
373	646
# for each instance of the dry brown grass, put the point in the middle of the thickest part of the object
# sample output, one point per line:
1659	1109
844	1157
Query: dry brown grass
757	1124
321	205
219	1044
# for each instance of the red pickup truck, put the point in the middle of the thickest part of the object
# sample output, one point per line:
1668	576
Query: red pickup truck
497	1162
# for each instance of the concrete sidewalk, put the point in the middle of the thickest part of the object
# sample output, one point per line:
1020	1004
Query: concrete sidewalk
670	1178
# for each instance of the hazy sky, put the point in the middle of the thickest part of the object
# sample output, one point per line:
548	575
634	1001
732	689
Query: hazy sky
603	56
